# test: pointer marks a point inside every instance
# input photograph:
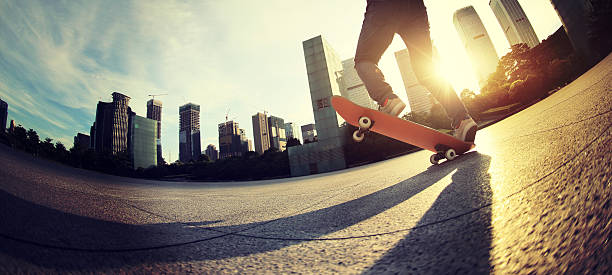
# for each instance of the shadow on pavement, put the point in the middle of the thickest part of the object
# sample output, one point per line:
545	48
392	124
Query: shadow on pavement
461	244
49	238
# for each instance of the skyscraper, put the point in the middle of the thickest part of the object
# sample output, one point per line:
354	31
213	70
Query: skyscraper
261	135
143	141
189	133
247	144
232	140
352	87
81	142
154	111
3	114
112	125
211	152
418	96
476	42
276	128
327	154
514	22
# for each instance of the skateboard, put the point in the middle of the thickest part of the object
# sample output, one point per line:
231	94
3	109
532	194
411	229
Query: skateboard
444	146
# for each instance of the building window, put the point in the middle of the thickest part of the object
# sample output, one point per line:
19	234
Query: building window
322	103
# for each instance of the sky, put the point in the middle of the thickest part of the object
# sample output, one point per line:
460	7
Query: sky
234	57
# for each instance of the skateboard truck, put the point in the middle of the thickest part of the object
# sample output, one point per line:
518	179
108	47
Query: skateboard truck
365	123
444	152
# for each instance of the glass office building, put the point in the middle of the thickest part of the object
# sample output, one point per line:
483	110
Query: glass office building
477	42
143	142
514	22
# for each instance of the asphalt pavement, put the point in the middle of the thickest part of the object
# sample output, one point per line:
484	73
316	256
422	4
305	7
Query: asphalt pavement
532	197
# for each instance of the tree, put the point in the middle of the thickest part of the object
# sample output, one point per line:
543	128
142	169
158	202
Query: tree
32	141
204	158
47	148
293	142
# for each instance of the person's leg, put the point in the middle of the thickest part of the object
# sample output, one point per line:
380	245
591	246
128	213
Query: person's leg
414	30
377	33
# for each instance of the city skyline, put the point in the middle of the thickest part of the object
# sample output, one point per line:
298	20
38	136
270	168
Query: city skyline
65	54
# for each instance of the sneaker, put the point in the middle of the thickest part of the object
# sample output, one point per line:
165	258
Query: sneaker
392	106
465	129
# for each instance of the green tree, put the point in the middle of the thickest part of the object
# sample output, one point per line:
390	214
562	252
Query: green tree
47	148
32	142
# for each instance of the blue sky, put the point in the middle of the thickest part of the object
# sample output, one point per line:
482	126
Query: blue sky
58	58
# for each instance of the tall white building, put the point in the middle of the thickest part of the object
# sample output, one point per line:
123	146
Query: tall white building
514	22
476	41
327	154
352	87
418	96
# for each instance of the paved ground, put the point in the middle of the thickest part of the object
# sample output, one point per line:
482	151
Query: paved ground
533	197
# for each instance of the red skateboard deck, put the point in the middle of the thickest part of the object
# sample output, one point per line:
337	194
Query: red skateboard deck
399	129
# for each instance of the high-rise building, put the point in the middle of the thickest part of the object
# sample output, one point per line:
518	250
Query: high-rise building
292	131
514	22
261	135
3	114
112	125
189	133
327	154
276	128
309	133
352	87
211	152
143	141
418	96
81	142
232	140
154	112
476	41
579	18
247	144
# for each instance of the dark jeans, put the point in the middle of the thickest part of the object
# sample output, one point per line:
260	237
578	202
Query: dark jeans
408	18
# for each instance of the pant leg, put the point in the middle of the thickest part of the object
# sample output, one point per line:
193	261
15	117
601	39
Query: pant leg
414	30
376	35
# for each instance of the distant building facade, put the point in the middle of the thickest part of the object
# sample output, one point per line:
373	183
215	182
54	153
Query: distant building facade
189	133
112	125
143	141
261	136
327	154
3	114
154	112
292	131
232	140
477	42
82	142
278	137
418	96
352	87
309	133
211	152
514	22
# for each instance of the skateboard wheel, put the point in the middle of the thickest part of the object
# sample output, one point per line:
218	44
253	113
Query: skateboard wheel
434	159
450	154
358	137
365	122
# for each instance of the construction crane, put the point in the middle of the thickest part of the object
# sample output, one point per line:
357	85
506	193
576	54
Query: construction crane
153	96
